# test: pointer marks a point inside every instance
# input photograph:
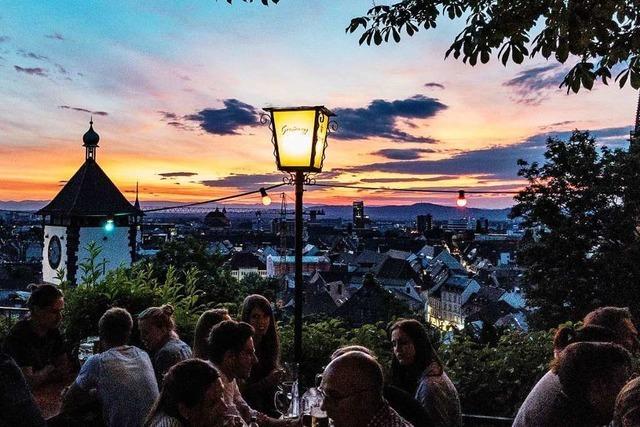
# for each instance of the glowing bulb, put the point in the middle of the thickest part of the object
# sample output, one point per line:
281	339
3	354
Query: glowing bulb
462	201
109	225
266	200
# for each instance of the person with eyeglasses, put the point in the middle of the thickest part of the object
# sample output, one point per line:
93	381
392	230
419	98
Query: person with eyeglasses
233	353
351	388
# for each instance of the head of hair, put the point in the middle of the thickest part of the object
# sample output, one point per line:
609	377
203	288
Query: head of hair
627	409
268	349
407	377
43	296
115	326
618	320
161	317
362	367
349	348
228	336
207	320
568	335
186	382
583	363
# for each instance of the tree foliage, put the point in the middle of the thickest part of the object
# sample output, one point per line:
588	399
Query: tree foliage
598	34
583	205
495	379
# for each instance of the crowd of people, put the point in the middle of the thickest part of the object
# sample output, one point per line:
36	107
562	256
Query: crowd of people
232	374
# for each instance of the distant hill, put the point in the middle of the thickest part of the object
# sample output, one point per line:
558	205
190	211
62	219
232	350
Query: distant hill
390	213
409	212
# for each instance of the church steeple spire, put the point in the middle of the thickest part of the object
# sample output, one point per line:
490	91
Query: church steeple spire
136	204
90	140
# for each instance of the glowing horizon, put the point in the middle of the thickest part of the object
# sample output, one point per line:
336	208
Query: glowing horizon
175	92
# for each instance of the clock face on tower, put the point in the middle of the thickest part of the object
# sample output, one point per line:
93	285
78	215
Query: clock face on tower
55	252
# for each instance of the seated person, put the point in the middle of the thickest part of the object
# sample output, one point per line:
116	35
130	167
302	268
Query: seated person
401	401
260	388
122	375
352	393
590	376
207	320
417	369
158	334
232	352
17	407
191	396
36	343
627	409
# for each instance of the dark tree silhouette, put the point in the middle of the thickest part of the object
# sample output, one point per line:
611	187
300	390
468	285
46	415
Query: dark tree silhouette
598	34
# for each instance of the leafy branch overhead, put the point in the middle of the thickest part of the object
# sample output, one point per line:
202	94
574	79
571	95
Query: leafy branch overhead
601	35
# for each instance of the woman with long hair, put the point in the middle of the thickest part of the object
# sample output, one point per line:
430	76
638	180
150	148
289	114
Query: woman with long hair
191	396
207	320
158	334
260	387
416	369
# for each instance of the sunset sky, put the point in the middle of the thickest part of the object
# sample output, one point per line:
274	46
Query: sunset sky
175	89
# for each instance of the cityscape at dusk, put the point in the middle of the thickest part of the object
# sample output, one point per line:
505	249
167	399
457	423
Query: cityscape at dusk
176	89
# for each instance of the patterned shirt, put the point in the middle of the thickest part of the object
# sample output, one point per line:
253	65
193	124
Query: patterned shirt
236	405
387	417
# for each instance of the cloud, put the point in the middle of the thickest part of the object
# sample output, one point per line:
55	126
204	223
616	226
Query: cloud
32	55
244	181
403	154
228	120
4	39
167	115
378	119
558	124
61	69
55	36
177	174
433	84
490	163
531	85
37	71
393	180
83	110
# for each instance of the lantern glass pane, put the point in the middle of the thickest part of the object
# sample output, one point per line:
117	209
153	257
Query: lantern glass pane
323	124
294	136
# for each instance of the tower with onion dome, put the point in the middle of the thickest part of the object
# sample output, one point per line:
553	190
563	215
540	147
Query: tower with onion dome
89	208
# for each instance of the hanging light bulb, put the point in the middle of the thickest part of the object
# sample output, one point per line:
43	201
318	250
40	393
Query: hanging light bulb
462	201
266	200
109	225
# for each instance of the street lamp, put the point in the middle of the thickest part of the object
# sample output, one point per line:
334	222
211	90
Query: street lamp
299	136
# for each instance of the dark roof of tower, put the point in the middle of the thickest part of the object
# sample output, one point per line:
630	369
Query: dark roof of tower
90	137
89	192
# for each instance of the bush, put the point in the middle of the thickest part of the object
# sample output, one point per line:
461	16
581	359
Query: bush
134	289
495	380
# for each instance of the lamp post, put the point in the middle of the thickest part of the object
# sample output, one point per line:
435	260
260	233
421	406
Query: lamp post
299	136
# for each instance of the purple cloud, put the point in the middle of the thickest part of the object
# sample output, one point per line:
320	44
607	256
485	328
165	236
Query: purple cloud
177	174
378	119
493	162
83	110
403	154
530	85
228	120
37	71
244	181
55	36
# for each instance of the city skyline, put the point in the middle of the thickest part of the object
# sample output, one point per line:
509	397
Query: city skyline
175	92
